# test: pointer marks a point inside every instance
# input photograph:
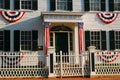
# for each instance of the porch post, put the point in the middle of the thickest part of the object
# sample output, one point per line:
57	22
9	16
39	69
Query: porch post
81	45
81	36
92	62
46	40
47	36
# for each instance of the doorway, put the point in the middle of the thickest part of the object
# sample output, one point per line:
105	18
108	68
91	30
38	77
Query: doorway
61	42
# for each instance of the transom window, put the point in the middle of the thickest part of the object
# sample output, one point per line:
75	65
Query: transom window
94	5
65	5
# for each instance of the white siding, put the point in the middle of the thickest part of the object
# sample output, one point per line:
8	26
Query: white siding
92	22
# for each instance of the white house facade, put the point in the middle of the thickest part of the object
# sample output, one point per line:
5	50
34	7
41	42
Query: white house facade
34	32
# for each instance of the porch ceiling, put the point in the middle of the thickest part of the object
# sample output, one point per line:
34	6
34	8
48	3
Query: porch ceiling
61	16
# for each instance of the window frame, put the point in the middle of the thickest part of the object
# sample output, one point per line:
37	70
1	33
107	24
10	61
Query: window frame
25	5
92	5
25	40
117	39
95	39
57	5
116	5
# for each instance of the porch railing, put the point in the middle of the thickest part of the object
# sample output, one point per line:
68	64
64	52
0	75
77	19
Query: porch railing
22	64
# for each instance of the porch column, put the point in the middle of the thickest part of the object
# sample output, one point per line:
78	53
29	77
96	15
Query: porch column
81	36
47	37
81	44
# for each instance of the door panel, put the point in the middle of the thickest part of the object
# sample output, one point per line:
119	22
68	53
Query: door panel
61	42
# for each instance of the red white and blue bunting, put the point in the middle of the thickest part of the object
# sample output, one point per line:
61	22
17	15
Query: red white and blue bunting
108	56
12	16
12	58
107	17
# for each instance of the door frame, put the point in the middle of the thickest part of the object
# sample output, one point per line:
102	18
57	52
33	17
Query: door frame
68	32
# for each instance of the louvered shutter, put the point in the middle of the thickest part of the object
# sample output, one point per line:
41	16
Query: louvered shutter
112	40
103	40
34	40
52	5
7	40
16	40
87	39
86	5
70	6
103	5
111	5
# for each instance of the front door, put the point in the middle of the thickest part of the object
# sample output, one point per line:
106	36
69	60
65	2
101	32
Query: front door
61	42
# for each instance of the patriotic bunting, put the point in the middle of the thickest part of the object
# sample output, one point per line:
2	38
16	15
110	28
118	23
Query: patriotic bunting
107	17
12	16
12	58
108	56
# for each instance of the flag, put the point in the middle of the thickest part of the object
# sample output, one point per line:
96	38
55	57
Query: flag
47	37
81	36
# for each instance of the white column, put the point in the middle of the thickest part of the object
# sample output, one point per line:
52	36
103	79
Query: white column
11	4
76	44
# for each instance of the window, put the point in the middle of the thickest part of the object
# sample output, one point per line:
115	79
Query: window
117	5
114	5
25	40
65	5
94	5
26	4
3	4
117	39
5	40
114	40
95	38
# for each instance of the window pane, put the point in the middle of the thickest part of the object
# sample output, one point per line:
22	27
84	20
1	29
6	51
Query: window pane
95	39
117	5
117	39
64	4
29	4
1	3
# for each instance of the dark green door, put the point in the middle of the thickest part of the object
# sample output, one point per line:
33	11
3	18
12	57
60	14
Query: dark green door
61	42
